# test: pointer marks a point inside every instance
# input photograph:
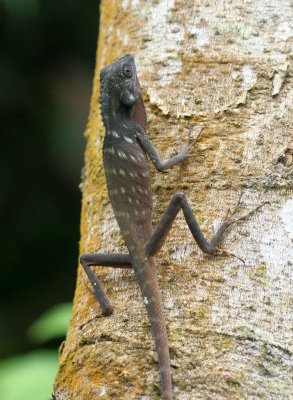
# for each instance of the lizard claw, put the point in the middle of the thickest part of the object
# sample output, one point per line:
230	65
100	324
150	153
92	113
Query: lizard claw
248	214
90	320
191	142
105	312
230	214
108	311
222	252
229	221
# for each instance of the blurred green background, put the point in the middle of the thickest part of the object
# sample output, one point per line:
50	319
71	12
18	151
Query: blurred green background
46	71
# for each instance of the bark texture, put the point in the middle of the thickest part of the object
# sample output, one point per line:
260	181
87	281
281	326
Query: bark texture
227	66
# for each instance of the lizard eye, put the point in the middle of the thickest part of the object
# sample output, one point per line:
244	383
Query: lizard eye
127	71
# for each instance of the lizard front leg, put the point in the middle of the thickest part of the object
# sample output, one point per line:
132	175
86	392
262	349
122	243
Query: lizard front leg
116	260
179	202
163	166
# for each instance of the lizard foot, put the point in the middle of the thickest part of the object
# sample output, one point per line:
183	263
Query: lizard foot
230	214
229	220
191	141
103	314
222	252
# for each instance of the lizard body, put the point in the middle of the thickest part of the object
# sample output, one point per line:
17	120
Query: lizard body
129	186
125	152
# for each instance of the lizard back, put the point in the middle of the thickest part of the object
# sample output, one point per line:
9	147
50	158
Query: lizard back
129	187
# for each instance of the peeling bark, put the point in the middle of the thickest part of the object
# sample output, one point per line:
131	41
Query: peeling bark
226	66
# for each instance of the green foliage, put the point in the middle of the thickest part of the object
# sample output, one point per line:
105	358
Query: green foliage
51	325
47	61
28	377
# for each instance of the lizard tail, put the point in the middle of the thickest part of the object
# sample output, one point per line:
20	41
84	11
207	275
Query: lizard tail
148	281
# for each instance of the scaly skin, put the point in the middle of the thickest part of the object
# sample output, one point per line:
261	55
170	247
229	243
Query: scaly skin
129	186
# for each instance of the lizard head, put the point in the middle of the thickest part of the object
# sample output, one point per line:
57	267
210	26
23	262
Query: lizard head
120	89
120	79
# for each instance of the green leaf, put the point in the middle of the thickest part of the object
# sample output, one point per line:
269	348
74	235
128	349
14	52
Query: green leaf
28	377
52	324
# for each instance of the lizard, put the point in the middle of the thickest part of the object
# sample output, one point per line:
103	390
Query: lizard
126	148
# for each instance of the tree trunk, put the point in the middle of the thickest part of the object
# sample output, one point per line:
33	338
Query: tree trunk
224	66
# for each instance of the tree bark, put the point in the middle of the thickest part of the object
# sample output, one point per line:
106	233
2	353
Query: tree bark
224	66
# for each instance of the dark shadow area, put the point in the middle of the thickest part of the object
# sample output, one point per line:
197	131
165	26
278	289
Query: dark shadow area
47	64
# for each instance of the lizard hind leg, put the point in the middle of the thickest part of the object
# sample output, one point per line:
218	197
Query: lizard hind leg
179	202
116	260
